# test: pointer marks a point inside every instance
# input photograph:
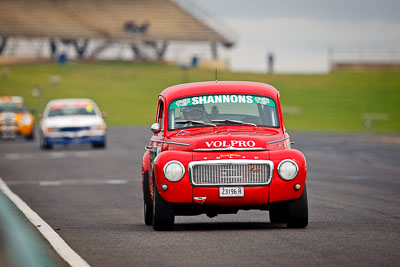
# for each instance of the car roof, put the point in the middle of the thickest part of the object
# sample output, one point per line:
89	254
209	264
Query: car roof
11	99
70	100
220	87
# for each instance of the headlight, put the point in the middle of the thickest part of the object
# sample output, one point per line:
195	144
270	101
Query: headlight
174	171
52	130
26	119
288	169
97	127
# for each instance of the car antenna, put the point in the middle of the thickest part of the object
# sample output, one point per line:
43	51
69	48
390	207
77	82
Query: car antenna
216	75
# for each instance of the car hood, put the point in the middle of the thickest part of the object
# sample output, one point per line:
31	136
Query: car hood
71	121
226	140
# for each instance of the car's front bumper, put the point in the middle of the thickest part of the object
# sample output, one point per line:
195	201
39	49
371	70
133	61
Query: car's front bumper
253	195
75	137
275	190
14	130
77	140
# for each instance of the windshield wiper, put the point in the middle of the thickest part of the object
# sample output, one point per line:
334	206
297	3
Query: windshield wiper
196	122
238	122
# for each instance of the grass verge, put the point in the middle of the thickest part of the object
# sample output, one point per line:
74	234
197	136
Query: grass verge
342	101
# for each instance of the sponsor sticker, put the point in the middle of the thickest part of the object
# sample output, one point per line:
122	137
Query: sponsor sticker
232	143
182	132
230	155
200	200
89	108
183	102
212	99
87	105
57	106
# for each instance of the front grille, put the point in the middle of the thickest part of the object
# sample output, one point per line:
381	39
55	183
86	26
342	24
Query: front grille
73	129
8	122
231	172
8	119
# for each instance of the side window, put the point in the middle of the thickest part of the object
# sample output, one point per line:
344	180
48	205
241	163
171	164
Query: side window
160	115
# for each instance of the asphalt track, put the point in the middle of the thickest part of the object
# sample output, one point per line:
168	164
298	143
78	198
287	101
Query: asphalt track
92	198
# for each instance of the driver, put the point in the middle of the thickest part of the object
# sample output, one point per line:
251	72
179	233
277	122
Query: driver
194	113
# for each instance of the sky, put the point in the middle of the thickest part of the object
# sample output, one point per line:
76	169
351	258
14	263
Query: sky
300	33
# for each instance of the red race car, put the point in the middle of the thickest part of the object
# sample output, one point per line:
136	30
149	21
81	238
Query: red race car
220	147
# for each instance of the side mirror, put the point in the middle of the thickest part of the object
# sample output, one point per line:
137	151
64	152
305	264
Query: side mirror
155	128
40	116
103	114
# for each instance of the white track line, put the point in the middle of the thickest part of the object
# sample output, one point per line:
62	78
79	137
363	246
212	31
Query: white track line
70	182
13	156
62	248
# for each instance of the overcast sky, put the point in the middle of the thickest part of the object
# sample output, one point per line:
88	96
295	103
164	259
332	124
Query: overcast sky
300	32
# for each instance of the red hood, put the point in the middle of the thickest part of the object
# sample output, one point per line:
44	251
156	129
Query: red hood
225	139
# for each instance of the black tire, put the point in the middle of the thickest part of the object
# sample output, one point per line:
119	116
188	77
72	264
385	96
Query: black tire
99	144
148	208
298	211
278	213
148	214
163	213
44	144
31	137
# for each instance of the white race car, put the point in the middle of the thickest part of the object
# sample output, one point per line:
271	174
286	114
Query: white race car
72	121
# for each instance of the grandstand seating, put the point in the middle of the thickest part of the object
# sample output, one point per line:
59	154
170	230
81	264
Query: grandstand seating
72	19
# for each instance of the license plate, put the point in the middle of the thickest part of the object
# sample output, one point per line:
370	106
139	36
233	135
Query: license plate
237	191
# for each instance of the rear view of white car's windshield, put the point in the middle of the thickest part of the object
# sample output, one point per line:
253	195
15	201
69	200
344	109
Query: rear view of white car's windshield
220	110
71	109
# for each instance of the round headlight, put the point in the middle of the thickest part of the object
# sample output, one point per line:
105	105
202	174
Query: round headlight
287	169
174	171
26	119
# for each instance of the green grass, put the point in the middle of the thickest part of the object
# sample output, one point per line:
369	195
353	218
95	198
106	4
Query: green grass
128	92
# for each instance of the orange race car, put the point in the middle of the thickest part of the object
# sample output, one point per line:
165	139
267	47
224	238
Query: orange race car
15	119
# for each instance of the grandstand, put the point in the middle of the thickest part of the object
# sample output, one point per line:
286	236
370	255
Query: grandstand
141	24
363	59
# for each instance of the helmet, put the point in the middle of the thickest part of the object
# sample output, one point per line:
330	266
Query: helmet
193	107
193	112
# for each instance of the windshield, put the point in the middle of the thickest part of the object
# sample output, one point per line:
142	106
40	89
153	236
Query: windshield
71	109
12	107
217	110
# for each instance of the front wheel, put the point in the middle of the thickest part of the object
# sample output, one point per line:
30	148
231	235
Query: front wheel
31	137
99	144
148	214
298	211
148	208
163	213
278	214
43	143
